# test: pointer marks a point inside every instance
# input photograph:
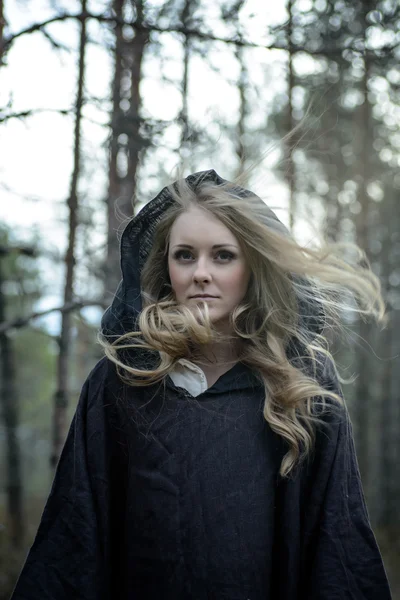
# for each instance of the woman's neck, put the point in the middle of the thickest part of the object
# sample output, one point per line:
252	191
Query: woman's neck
216	354
215	359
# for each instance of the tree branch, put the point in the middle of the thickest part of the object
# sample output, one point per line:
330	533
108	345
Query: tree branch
7	41
56	45
186	31
33	111
71	306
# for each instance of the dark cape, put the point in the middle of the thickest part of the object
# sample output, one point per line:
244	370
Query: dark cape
159	495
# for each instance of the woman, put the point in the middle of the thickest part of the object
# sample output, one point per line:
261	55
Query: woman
211	455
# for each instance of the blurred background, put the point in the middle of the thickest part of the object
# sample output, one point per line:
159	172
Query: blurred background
100	100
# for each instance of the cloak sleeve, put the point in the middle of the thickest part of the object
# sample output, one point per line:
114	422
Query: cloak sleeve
325	536
344	559
69	557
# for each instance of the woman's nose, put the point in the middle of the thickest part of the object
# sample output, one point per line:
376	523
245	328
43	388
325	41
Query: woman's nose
202	272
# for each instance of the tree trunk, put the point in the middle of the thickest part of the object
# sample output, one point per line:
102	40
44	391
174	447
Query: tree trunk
135	142
241	125
290	168
389	410
2	23
126	141
362	391
10	413
184	116
61	397
112	268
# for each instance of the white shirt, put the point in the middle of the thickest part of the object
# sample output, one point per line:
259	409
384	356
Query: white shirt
190	377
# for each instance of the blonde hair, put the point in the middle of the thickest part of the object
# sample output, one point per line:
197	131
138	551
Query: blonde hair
295	297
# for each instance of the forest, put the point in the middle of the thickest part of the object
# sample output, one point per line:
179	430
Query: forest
101	101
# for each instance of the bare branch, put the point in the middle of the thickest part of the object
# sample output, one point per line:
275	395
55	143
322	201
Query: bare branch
34	111
2	23
69	307
186	31
7	41
9	190
56	45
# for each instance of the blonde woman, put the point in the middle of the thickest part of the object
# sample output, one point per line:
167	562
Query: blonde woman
211	454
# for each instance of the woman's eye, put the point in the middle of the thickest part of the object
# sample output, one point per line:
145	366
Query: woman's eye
188	256
225	255
184	255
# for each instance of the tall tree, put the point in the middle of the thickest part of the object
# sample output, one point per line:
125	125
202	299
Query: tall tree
362	136
184	114
2	23
126	141
233	14
389	413
10	274
290	165
61	397
10	415
112	270
243	109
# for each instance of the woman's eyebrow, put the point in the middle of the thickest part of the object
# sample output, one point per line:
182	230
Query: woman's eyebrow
214	247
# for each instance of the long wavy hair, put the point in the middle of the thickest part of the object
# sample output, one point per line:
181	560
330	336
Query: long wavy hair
296	295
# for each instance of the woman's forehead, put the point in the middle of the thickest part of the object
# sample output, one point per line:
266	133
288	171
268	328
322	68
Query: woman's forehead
197	226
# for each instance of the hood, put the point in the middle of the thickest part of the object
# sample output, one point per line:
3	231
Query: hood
136	242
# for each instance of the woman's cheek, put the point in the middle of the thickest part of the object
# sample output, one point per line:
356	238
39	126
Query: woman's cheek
177	279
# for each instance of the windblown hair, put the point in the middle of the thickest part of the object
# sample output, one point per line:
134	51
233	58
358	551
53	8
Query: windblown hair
296	295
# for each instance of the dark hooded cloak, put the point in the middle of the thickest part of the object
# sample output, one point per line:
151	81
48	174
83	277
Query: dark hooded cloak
159	495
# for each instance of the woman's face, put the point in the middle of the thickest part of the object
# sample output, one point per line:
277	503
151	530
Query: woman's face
206	263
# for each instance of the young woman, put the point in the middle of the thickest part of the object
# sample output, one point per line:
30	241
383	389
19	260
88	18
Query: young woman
211	454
